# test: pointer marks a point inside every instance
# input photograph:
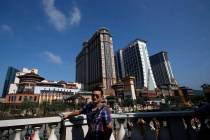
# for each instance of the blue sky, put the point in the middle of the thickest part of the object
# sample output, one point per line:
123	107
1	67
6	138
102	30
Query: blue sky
48	34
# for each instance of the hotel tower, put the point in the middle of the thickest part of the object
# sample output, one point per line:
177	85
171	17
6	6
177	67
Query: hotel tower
95	62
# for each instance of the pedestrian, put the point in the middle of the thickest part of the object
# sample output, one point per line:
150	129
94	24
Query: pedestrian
98	117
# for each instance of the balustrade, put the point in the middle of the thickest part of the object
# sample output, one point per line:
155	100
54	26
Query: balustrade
29	129
174	125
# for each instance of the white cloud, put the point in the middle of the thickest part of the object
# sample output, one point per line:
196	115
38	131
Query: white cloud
6	28
75	16
53	57
58	19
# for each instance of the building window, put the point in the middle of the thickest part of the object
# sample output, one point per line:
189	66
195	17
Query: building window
20	98
30	98
25	98
34	98
14	98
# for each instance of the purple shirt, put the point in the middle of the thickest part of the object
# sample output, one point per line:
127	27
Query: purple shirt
97	119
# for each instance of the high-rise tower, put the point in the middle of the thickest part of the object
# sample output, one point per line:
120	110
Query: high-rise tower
119	65
162	69
95	63
10	78
136	63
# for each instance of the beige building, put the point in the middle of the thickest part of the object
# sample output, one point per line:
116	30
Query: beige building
95	63
32	87
125	89
21	97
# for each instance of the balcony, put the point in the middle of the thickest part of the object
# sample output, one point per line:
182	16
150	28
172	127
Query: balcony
172	125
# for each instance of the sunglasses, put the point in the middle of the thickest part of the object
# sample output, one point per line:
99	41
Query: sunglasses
96	95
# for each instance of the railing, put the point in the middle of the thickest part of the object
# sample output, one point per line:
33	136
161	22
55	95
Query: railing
32	128
173	125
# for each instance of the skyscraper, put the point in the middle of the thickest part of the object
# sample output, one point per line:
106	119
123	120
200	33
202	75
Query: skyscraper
136	63
162	69
95	63
119	65
10	78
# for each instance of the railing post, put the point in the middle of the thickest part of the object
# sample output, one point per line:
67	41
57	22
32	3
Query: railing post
45	132
121	132
141	125
36	133
129	127
52	133
66	130
17	134
62	131
8	134
112	137
85	127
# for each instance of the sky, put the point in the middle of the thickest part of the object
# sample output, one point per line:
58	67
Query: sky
48	34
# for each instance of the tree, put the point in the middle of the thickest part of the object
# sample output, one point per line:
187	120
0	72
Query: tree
196	100
29	107
4	109
140	101
58	106
130	102
111	100
44	108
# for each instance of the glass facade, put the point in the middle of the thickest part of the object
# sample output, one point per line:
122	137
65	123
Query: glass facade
10	78
162	69
136	63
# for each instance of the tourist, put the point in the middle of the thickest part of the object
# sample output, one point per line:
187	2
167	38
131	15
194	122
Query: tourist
98	117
